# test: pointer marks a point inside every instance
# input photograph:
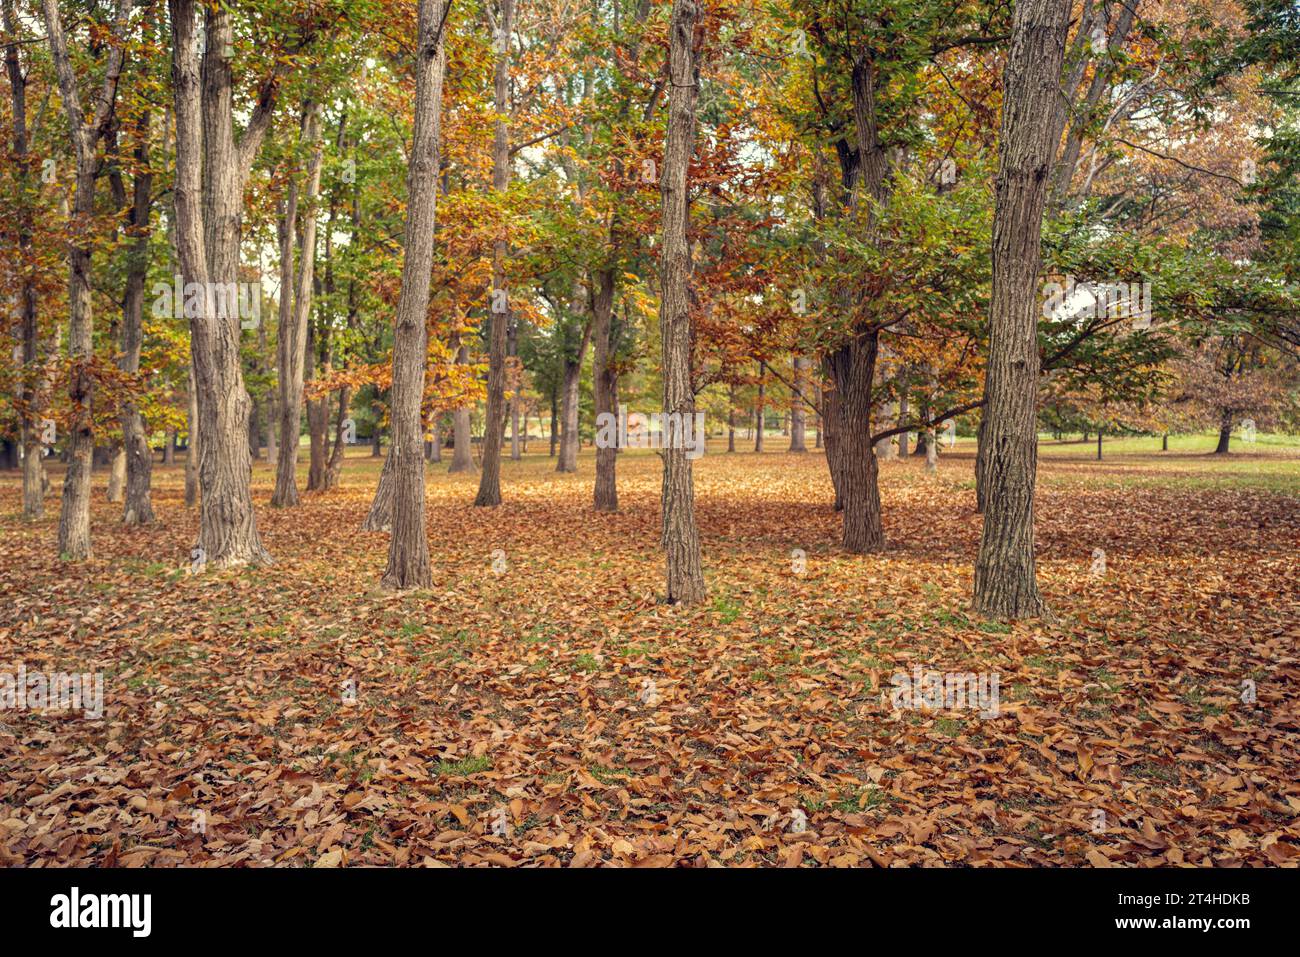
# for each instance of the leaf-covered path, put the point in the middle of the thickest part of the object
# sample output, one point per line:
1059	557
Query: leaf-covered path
296	715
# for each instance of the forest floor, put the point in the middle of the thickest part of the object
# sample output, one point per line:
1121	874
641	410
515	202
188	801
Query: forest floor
296	715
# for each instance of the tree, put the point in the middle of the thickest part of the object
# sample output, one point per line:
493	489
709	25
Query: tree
489	489
798	414
137	506
681	536
1006	585
295	306
567	460
212	166
876	150
408	548
1228	382
621	127
31	392
604	378
74	516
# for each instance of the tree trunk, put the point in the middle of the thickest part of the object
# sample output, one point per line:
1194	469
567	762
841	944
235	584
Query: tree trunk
138	506
272	430
761	410
1225	436
923	414
338	449
903	412
731	417
291	345
931	450
512	348
380	516
554	422
35	481
408	547
318	424
981	465
489	487
568	460
33	390
852	367
605	386
1005	580
264	407
169	448
192	443
1099	434
819	442
116	491
317	359
885	447
830	425
462	455
74	514
211	170
254	428
681	536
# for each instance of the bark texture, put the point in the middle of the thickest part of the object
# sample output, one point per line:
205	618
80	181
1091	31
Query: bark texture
568	458
830	428
211	169
380	516
851	368
681	536
33	388
338	448
798	406
902	419
74	514
1006	585
605	386
137	508
1225	436
116	490
462	453
512	349
885	448
408	547
295	308
192	442
850	365
489	487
